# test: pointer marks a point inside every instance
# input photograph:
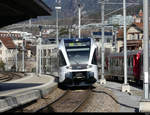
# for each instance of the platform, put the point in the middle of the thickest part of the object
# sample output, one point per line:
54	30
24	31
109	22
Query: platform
129	102
25	90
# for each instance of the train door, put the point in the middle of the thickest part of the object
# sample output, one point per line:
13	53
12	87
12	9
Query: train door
136	66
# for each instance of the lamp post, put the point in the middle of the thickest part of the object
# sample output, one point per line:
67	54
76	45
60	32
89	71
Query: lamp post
57	28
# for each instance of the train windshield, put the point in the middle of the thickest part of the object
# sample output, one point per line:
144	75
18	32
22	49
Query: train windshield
78	52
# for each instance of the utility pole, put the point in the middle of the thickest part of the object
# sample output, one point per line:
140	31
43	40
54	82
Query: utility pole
125	86
146	43
115	41
37	59
102	80
16	58
40	51
69	30
79	6
57	28
23	49
30	25
145	101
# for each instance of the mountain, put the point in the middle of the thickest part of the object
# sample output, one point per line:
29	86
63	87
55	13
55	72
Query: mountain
91	9
69	7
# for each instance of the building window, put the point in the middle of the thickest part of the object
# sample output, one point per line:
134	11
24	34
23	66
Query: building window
131	36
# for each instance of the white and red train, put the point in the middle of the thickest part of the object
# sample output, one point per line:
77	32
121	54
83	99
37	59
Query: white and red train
115	65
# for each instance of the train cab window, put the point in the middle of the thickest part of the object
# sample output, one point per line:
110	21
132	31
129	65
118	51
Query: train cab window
62	61
94	60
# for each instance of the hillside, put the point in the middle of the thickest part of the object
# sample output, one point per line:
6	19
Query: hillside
69	7
90	10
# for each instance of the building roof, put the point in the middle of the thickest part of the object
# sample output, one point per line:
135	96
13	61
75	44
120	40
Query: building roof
8	43
139	25
13	11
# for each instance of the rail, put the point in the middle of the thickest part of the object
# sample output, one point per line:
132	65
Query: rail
70	101
9	76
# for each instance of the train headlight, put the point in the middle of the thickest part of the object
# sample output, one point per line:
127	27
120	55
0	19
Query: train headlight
69	67
89	66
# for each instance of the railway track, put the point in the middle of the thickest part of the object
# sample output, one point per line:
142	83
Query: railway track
4	77
71	101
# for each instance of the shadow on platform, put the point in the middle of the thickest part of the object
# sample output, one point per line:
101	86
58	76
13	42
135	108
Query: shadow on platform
14	86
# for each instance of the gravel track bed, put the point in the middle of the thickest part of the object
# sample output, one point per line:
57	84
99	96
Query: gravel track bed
44	101
71	101
101	100
9	76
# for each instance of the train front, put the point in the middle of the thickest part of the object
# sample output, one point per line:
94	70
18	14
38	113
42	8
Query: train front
79	57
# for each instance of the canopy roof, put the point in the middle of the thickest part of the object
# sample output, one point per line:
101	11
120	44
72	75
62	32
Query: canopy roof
13	11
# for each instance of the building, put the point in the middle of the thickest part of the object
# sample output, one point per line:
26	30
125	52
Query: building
7	52
119	19
134	37
108	41
134	34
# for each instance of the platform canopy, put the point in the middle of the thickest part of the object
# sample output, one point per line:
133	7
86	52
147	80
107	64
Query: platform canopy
13	11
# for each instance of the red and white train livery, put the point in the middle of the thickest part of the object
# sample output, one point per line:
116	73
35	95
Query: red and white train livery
115	65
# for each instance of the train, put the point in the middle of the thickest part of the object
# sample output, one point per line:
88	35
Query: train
115	66
77	62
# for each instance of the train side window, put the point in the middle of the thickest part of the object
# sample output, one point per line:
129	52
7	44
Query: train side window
119	61
141	60
110	61
62	61
94	60
113	61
